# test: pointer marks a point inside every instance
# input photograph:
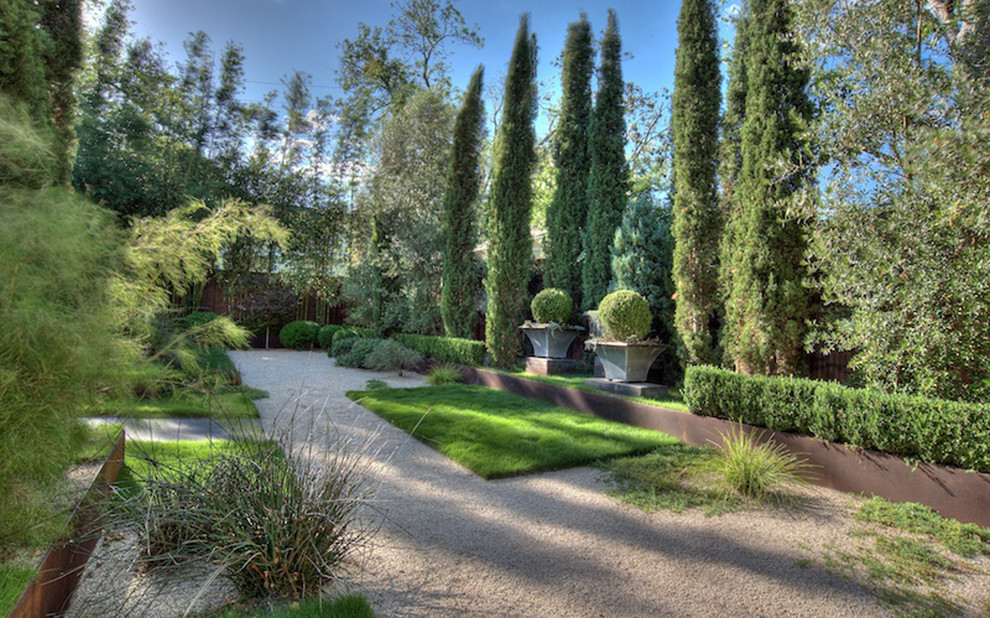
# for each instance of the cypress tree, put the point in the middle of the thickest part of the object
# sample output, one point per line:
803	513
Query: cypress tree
23	47
509	245
62	19
608	180
460	269
569	206
697	219
767	304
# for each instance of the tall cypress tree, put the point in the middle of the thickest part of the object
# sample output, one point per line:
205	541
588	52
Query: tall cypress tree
569	207
697	219
460	269
730	156
509	245
608	181
62	19
767	304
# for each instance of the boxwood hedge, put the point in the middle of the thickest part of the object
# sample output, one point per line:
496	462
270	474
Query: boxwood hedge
445	349
932	430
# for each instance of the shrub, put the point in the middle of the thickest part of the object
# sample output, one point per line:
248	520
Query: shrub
194	319
324	338
358	354
755	470
445	349
341	347
390	355
932	430
280	523
444	374
348	332
624	315
300	334
552	305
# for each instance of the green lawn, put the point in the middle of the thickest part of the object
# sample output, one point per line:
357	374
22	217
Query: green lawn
14	578
348	606
221	402
497	434
672	399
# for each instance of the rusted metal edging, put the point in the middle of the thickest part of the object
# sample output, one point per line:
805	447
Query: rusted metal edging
49	592
951	491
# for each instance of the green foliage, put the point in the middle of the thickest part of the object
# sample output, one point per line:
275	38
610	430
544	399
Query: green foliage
444	373
349	332
26	158
461	270
61	340
608	180
23	48
902	256
195	319
625	315
324	337
552	305
697	215
342	346
62	20
568	209
932	430
509	244
390	355
356	356
347	606
300	334
279	523
767	304
375	385
642	260
445	349
965	540
498	434
754	468
14	580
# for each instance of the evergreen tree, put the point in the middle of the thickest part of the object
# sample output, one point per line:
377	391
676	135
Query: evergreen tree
697	219
460	268
768	304
608	180
509	246
642	260
730	158
569	207
62	19
23	47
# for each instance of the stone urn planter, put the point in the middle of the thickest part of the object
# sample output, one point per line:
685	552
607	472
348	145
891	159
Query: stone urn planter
627	362
550	340
624	319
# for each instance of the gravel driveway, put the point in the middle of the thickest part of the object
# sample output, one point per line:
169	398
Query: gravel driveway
453	544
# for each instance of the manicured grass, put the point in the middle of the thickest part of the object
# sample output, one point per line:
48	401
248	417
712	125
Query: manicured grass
965	540
672	399
349	606
221	402
497	434
14	578
143	459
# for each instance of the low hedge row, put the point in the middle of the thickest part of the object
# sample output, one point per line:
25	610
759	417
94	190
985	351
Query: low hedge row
932	430
445	349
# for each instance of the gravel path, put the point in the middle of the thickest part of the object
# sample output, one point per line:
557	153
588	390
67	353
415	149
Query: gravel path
453	544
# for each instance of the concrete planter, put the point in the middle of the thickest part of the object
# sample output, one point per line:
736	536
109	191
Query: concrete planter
551	342
626	362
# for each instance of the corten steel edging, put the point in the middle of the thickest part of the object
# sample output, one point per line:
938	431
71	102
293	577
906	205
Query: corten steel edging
951	491
49	592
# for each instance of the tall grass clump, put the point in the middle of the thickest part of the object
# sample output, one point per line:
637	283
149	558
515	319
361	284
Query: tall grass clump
754	469
277	522
445	373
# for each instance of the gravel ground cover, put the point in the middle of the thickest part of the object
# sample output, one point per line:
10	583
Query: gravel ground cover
554	544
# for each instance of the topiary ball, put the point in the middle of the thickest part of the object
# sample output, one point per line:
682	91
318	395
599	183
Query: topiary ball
625	314
552	305
300	334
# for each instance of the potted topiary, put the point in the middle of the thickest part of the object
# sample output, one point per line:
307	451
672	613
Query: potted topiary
550	333
624	318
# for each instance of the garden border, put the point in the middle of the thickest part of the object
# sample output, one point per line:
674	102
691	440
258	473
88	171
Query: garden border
953	492
50	590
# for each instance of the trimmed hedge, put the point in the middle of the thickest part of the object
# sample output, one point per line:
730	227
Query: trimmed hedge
445	349
300	334
325	337
932	430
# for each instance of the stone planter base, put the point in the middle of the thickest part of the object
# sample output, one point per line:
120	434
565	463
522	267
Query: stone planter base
552	343
626	362
542	366
637	389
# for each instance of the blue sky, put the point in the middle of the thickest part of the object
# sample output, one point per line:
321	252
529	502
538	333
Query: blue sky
280	36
